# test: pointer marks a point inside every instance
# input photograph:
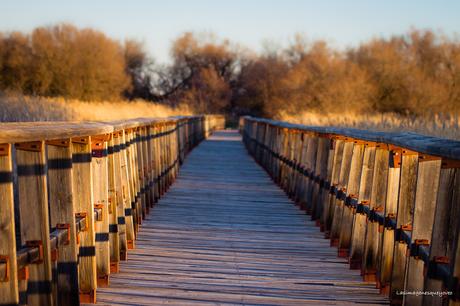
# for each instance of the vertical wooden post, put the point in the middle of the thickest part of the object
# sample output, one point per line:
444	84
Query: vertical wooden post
337	204
33	206
62	213
148	166
136	160
127	192
356	253
133	209
101	207
388	238
334	164
310	164
156	157
140	171
84	206
319	192
300	177
352	190
377	203
113	172
443	242
121	192
425	203
407	186
9	293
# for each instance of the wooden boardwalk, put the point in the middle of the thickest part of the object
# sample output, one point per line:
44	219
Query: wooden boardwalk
225	234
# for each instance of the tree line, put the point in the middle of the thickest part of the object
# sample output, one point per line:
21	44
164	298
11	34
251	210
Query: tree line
414	74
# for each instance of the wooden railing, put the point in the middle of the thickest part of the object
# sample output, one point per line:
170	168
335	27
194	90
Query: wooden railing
73	196
390	202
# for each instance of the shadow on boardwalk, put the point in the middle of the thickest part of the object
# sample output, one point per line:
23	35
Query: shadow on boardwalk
226	234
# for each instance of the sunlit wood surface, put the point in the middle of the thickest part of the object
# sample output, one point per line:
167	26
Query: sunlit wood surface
225	234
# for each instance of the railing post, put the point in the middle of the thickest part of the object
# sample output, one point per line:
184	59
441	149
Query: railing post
148	149
100	189
9	293
34	221
377	202
388	237
340	187
62	214
356	253
114	236
422	224
84	206
320	190
133	209
443	252
334	164
352	191
406	201
309	165
121	194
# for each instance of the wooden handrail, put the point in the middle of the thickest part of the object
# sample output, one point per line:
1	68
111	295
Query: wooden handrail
420	143
388	201
82	190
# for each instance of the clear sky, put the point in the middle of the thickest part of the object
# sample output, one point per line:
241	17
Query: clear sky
343	23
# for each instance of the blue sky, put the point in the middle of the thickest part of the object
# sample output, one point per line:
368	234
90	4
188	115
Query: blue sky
343	23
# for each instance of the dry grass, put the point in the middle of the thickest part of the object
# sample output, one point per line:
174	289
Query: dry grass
15	107
446	126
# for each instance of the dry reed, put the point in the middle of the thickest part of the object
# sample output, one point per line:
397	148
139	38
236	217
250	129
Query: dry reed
16	107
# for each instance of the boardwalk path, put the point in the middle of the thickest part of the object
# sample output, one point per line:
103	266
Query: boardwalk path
225	234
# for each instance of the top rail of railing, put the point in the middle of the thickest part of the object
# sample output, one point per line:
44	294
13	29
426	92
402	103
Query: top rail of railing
13	132
429	145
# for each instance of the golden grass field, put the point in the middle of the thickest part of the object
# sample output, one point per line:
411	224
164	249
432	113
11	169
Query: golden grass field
15	107
446	126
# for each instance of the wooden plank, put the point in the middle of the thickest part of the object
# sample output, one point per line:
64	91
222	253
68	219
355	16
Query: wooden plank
9	293
34	218
62	215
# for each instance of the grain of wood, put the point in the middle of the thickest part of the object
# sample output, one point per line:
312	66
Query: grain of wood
9	293
225	234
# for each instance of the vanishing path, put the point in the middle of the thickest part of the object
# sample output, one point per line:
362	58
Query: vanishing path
225	234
